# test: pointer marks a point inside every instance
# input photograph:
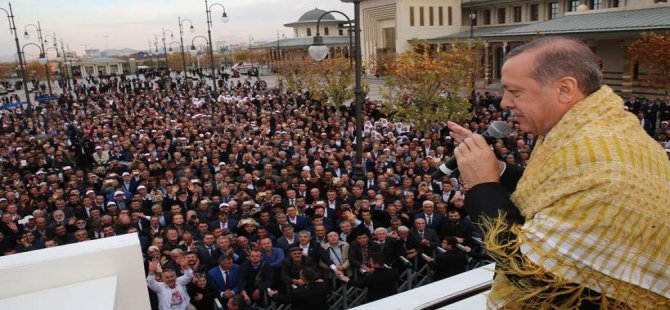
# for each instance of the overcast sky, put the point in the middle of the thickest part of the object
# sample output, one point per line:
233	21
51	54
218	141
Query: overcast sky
130	23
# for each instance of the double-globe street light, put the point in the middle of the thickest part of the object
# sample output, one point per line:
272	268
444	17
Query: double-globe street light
194	50
318	51
22	66
65	65
55	48
224	18
43	53
181	39
164	39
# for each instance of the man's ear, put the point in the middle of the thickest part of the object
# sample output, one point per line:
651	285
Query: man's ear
568	90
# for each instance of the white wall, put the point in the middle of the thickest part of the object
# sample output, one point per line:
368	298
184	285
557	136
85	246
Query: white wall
115	263
405	32
301	30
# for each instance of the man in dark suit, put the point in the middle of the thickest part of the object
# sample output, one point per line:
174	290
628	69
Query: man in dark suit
370	182
455	226
360	252
224	222
207	250
308	247
288	239
255	277
224	278
433	220
389	247
449	262
427	237
381	283
299	222
409	246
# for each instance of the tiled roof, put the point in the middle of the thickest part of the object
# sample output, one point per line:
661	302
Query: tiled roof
626	20
599	22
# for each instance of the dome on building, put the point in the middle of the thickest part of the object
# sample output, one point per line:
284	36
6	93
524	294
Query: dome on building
314	15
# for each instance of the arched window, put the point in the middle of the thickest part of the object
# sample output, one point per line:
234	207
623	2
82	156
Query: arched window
309	32
325	31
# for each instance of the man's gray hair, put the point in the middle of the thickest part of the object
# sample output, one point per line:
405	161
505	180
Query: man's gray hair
560	56
381	229
428	203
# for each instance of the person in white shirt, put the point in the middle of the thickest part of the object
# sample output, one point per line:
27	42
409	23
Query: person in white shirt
172	294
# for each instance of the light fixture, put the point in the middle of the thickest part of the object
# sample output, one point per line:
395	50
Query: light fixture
170	49
318	51
472	16
224	17
192	28
43	59
26	35
193	50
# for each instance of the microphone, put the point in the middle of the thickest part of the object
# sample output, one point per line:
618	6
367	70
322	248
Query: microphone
496	130
404	260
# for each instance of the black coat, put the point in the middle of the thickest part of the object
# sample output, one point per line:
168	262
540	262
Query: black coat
306	297
251	279
380	284
208	296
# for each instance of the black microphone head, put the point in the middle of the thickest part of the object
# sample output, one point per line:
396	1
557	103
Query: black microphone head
498	129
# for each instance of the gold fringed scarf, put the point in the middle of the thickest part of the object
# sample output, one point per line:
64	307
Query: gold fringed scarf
595	198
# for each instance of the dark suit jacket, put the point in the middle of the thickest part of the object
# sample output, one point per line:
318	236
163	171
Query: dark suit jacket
380	284
301	223
409	243
356	254
248	276
429	235
486	199
232	224
205	257
283	243
449	264
306	297
435	224
216	279
391	250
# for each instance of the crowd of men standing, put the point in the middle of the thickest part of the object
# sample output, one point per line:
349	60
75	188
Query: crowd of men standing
245	193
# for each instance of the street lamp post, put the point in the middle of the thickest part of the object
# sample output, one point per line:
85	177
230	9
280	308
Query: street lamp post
54	47
22	66
41	40
158	58
283	36
42	58
318	51
318	40
181	39
67	73
165	47
472	17
224	18
194	51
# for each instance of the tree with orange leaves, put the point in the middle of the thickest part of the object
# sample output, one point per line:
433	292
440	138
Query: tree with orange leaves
426	88
651	51
331	81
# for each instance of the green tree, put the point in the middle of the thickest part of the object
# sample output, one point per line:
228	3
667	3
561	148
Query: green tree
651	52
427	88
294	74
331	81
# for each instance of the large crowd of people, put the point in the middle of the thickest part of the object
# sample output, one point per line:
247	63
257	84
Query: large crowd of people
243	193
